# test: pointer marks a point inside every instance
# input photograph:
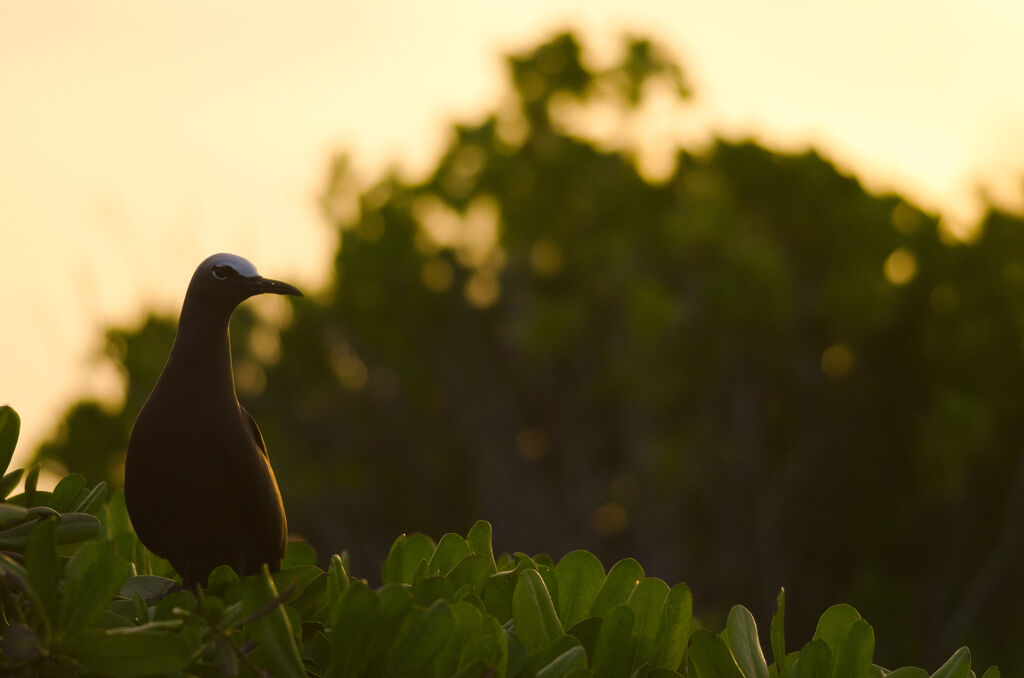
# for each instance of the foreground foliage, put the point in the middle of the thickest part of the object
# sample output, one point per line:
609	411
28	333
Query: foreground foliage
82	596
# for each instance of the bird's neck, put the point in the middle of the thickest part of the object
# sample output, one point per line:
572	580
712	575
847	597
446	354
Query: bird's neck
202	344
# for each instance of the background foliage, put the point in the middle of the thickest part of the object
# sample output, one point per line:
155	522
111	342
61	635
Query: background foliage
752	373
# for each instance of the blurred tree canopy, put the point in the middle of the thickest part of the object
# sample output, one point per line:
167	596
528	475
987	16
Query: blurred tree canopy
748	374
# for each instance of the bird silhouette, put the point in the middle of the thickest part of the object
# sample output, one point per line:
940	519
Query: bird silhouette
198	483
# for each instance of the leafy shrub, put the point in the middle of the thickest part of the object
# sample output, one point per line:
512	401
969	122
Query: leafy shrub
82	596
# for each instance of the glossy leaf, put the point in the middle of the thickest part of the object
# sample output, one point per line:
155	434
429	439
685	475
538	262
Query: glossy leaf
479	539
777	633
908	672
450	551
146	587
297	554
570	660
92	502
93	576
711	657
957	666
44	569
10	427
834	624
745	644
674	629
815	661
31	481
497	597
65	495
473	571
619	583
421	637
404	558
854	657
646	601
580	577
351	628
135	651
613	654
9	482
536	621
271	629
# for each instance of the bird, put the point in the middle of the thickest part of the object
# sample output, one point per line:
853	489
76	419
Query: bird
198	484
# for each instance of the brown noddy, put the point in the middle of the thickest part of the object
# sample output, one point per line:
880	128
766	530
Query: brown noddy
197	480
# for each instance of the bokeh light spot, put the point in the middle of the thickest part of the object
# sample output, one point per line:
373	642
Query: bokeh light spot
900	267
482	289
546	257
837	361
437	274
532	443
609	519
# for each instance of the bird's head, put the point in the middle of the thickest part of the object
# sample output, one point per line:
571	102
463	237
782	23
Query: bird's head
226	280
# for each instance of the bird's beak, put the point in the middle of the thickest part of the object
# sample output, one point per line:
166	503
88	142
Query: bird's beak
261	285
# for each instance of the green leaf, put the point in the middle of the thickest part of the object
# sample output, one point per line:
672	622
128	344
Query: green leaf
909	672
534	613
674	629
44	569
404	558
92	502
777	633
12	514
353	622
146	587
272	630
337	579
744	643
834	625
479	539
613	654
957	666
421	637
992	672
135	651
92	577
426	591
9	482
815	661
115	517
497	596
474	570
619	583
10	426
570	660
855	652
467	623
31	480
711	657
65	494
580	577
489	647
297	554
647	601
450	551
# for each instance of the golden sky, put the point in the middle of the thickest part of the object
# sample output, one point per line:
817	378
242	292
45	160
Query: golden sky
138	137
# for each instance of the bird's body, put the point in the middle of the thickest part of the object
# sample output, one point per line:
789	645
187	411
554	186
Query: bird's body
198	483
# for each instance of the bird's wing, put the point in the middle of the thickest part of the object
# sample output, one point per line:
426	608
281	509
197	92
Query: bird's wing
255	430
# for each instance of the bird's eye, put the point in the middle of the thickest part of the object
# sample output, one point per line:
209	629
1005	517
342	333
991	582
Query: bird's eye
222	272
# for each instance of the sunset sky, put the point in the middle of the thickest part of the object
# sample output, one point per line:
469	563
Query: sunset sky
136	138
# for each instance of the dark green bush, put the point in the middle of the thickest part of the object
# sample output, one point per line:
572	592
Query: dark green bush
82	596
